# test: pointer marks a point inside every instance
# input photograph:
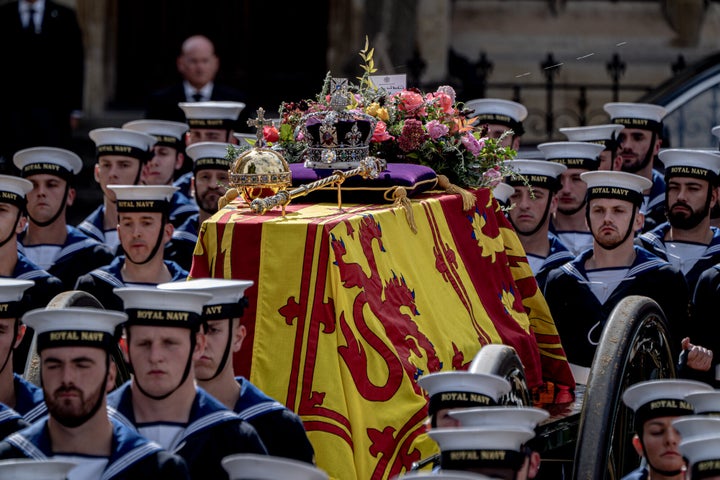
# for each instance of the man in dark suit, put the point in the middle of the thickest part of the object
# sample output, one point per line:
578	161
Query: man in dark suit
198	65
41	44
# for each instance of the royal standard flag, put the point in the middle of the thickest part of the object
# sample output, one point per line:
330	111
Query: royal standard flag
350	307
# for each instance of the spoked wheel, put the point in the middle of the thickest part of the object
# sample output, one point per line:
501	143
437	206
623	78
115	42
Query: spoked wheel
634	347
74	298
502	360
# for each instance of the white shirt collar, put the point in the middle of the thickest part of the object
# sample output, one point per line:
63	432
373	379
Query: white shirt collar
205	91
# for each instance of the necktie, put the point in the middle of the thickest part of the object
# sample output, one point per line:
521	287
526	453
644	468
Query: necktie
197	96
30	27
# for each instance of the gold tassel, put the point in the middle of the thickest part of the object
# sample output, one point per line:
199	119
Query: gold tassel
468	199
402	200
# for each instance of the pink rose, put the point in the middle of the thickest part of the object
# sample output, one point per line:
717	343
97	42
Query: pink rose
410	102
492	177
471	143
436	129
381	134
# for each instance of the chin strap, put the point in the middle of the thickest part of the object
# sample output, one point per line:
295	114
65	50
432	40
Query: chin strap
12	234
155	249
59	210
540	223
186	372
627	233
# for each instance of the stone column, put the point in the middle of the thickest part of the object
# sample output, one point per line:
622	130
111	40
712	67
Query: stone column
98	22
433	38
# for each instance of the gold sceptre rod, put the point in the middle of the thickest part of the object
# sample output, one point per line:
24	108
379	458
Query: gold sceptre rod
370	167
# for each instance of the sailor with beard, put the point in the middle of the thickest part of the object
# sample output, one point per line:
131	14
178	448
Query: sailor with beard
74	347
143	228
638	144
568	223
687	240
209	182
581	294
533	202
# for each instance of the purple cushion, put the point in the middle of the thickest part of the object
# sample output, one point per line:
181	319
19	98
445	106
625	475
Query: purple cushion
414	178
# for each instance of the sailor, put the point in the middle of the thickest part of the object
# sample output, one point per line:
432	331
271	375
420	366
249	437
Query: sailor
569	223
143	228
534	202
582	294
656	403
74	345
48	241
162	401
121	155
281	430
638	145
499	116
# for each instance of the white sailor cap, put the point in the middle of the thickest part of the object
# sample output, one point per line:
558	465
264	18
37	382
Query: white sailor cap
227	295
703	455
163	308
644	116
706	403
250	466
661	398
460	389
692	426
441	475
121	141
614	184
538	173
216	114
481	447
33	469
143	198
716	131
74	326
502	192
702	164
601	134
14	189
526	417
54	161
573	154
166	133
11	294
206	155
498	111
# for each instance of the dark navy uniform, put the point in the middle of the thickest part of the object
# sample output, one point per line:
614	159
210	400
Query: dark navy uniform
703	321
29	399
10	421
184	183
641	473
94	227
281	430
38	296
181	208
78	255
212	432
580	317
181	246
558	255
133	457
654	204
653	241
101	281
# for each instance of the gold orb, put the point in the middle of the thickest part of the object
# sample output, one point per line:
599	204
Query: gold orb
260	172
